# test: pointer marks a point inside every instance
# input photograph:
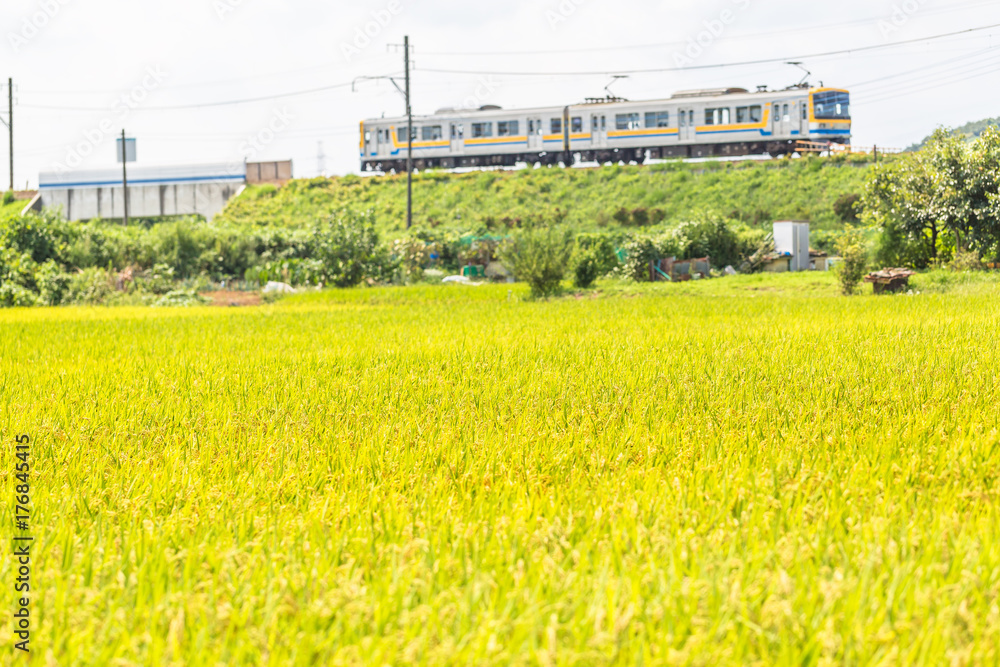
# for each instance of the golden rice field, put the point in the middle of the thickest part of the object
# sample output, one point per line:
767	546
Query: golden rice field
755	471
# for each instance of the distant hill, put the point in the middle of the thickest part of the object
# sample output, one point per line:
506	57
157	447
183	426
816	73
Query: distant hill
970	131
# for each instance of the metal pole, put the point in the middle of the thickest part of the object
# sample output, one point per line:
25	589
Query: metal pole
124	180
409	137
10	126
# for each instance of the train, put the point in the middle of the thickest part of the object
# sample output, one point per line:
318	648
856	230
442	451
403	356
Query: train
689	124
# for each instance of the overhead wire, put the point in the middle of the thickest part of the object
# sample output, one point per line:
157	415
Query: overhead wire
687	68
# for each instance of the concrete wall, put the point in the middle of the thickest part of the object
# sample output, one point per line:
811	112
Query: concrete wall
145	201
269	172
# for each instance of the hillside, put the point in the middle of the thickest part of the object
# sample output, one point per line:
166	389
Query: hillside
589	199
970	131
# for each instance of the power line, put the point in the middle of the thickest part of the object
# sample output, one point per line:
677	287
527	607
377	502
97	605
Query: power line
685	68
657	45
201	105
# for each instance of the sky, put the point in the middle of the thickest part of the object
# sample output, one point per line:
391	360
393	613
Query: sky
218	81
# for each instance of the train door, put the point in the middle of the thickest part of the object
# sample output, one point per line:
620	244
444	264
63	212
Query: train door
686	125
457	134
599	131
781	125
803	109
535	138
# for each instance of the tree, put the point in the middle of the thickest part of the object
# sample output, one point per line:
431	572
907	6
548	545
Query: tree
538	256
949	187
348	247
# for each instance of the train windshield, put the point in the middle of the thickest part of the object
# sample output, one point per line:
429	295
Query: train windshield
832	104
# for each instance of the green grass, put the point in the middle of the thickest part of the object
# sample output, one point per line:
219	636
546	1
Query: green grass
13	208
754	192
454	475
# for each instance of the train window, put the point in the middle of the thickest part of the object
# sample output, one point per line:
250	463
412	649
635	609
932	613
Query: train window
691	117
507	128
756	113
832	105
627	121
785	116
401	135
717	116
430	132
482	130
457	131
556	126
805	110
683	119
657	119
576	124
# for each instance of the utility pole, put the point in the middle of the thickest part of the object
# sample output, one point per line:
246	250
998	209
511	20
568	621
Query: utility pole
405	91
321	160
124	180
409	136
10	126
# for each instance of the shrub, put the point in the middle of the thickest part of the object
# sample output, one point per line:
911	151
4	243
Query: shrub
966	261
853	260
640	217
710	235
641	251
8	197
347	246
586	268
53	284
91	286
539	256
846	207
12	296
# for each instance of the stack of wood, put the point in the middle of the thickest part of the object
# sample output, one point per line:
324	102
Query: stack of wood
890	280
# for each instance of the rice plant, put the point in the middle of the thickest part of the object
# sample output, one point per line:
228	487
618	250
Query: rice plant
461	476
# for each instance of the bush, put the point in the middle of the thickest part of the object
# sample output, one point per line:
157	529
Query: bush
91	286
602	246
8	197
53	284
13	296
853	260
966	261
347	246
846	207
712	236
586	268
539	256
641	251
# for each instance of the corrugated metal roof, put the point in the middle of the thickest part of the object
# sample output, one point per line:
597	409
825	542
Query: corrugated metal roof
167	175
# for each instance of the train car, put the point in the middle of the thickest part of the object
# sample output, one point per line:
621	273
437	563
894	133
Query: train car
690	124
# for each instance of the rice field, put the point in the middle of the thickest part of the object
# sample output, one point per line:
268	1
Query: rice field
765	475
